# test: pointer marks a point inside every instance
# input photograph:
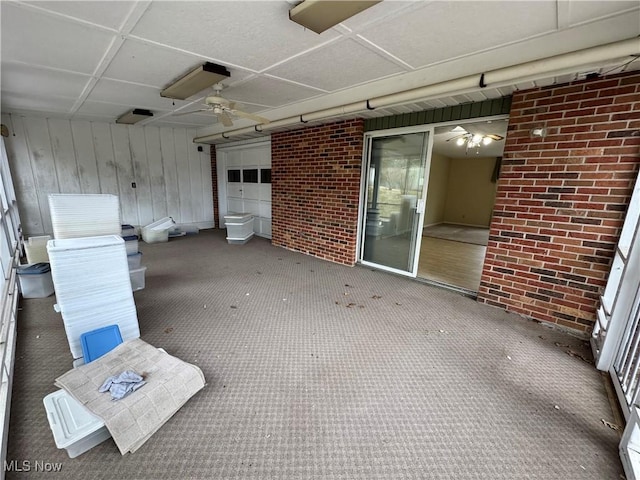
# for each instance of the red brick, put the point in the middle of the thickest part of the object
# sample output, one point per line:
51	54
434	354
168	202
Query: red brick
591	175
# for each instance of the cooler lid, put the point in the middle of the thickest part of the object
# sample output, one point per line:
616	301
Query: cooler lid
35	269
69	420
129	238
126	226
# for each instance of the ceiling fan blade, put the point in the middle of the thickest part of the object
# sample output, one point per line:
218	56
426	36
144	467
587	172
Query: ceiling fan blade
192	111
250	116
225	119
495	137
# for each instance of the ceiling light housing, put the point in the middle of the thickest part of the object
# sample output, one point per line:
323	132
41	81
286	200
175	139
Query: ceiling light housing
195	81
320	15
134	116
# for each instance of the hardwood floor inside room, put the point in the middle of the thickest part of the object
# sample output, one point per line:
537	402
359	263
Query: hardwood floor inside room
450	262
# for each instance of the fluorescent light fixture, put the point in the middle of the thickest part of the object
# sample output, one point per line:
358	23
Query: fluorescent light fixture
195	81
134	116
320	15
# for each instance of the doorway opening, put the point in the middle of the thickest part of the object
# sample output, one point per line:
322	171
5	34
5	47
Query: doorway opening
464	169
427	199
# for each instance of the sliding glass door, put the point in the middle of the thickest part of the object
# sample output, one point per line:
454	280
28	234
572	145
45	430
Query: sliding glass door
394	201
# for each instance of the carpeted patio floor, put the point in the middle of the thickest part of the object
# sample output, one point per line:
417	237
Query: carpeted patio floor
320	371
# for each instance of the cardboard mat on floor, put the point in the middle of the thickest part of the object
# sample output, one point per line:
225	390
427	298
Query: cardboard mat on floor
135	418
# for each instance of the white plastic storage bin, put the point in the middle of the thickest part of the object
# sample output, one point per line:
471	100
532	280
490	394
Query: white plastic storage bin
239	227
36	249
158	231
128	230
137	278
88	215
93	289
74	427
134	260
131	244
35	280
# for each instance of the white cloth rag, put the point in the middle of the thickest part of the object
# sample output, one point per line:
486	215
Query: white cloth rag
122	385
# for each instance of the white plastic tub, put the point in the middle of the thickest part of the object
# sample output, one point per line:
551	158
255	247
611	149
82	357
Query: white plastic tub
36	249
134	260
131	244
74	427
35	280
158	231
137	278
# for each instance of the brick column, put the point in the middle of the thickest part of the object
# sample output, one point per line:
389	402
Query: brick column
561	199
316	189
214	184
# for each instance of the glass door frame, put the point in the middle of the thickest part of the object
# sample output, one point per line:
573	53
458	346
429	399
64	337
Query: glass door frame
366	161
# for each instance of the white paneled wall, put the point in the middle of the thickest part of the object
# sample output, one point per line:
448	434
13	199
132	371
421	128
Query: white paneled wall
50	155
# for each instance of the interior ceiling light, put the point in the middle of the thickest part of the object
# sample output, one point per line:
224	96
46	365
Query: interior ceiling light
474	140
134	116
195	81
320	15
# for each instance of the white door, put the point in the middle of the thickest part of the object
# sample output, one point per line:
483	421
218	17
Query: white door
244	182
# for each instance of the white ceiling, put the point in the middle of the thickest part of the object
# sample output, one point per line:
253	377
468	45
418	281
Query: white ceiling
97	60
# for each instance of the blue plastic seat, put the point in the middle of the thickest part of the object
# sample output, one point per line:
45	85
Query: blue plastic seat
100	341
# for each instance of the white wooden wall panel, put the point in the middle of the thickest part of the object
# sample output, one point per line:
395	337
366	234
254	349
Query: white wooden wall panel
64	156
124	174
195	174
74	156
141	178
39	144
85	157
103	145
24	181
156	172
168	146
184	179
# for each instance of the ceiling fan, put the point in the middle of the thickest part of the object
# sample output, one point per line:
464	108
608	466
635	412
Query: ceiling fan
473	140
224	109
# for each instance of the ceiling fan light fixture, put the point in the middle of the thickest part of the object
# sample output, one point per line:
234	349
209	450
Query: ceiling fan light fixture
195	81
321	15
486	140
461	141
134	116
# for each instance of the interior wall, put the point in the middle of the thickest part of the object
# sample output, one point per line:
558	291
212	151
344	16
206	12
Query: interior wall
171	177
562	199
316	189
470	193
437	189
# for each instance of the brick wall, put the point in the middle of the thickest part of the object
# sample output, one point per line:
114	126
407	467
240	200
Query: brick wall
561	199
214	183
316	189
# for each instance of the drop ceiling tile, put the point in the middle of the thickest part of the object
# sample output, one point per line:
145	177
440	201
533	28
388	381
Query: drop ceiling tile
382	11
269	91
149	64
582	11
27	79
108	110
134	96
336	66
13	101
444	30
51	42
106	13
252	35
